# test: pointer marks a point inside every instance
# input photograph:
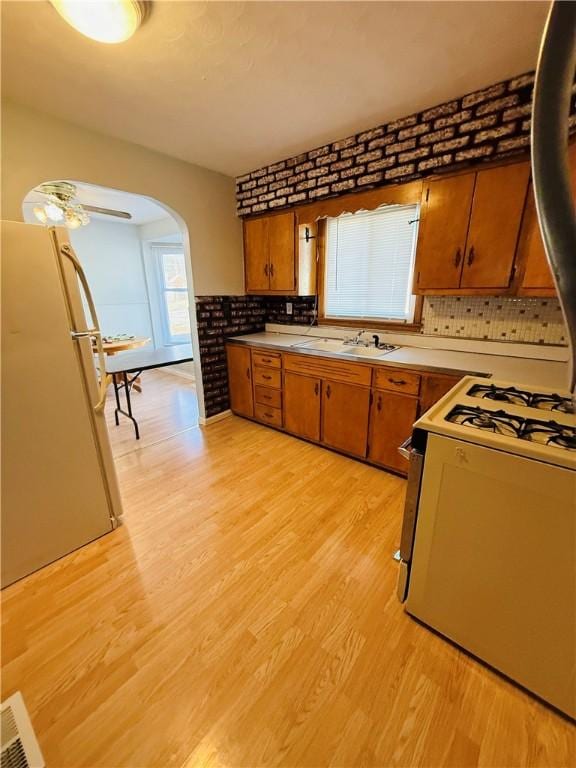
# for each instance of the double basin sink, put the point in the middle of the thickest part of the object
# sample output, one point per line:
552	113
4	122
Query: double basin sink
336	346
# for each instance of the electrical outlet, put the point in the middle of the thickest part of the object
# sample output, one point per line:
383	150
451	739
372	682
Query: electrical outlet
288	307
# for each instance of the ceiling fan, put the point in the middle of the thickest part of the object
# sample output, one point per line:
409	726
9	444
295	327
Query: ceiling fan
60	207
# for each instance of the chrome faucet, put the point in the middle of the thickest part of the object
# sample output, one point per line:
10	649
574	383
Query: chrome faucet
357	341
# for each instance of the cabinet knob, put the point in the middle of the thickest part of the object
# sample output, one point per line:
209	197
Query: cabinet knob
458	258
471	256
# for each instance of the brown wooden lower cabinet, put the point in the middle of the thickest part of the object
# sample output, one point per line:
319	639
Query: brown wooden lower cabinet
314	398
391	420
345	411
302	405
240	380
433	388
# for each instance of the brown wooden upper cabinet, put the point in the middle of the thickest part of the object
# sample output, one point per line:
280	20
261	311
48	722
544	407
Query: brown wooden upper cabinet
536	277
270	253
469	230
280	255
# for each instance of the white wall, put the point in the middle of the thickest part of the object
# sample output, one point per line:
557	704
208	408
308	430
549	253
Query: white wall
111	254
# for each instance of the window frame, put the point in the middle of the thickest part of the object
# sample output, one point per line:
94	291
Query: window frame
159	250
359	322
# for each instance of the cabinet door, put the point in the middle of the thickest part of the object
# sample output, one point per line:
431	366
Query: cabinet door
433	388
537	278
345	409
282	252
302	405
445	216
240	380
391	420
256	255
499	197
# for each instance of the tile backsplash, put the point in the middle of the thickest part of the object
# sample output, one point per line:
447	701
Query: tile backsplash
526	320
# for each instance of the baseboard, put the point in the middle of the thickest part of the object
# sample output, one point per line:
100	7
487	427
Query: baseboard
213	419
182	374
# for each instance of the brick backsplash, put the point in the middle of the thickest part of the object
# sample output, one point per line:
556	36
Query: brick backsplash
303	310
484	125
525	320
218	317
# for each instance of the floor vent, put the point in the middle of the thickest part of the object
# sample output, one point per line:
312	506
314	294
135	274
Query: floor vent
19	746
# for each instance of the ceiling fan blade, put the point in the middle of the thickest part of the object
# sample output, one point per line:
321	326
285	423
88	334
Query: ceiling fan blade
107	211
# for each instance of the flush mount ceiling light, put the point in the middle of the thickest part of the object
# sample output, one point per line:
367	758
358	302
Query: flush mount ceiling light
107	21
59	208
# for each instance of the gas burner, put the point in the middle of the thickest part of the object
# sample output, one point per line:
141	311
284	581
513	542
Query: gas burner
501	394
499	422
550	433
552	403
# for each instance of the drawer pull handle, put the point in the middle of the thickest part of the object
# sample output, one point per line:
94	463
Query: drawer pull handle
316	389
247	373
266	397
269	415
266	360
266	377
379	403
266	269
471	256
271	270
458	258
328	391
398	382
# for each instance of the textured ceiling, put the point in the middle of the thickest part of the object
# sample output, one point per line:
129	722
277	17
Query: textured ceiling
233	86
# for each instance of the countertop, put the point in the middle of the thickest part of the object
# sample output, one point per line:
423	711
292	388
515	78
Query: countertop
519	371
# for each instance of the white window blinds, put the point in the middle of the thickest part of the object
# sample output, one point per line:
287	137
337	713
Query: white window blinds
369	264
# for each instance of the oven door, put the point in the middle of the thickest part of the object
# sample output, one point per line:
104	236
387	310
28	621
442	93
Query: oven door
415	456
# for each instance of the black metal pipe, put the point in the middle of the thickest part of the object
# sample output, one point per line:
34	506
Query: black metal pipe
550	172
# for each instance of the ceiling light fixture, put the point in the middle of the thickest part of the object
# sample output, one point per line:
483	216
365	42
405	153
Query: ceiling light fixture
59	208
107	21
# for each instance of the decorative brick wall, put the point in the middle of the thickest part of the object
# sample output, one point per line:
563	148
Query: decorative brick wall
303	310
484	125
218	317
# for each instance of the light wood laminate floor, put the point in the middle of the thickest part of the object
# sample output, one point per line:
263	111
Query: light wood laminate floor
245	615
166	405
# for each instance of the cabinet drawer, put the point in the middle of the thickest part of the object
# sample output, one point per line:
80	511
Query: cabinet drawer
397	380
323	368
269	397
272	360
267	377
268	415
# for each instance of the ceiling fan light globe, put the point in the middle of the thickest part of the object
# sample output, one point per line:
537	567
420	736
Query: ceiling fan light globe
54	212
106	21
40	213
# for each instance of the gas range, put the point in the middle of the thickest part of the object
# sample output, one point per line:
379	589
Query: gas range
539	423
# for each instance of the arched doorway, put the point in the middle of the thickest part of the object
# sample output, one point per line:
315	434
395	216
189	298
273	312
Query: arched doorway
136	255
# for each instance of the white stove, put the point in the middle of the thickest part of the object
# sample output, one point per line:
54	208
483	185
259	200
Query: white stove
488	547
536	423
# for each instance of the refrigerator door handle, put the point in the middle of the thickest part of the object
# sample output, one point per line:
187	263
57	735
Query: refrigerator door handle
94	333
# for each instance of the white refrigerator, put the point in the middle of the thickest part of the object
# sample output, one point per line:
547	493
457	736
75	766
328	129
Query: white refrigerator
59	486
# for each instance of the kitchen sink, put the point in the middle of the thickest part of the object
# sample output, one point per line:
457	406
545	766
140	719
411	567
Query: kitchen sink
336	346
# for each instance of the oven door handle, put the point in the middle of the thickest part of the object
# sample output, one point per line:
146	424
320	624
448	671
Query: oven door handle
405	450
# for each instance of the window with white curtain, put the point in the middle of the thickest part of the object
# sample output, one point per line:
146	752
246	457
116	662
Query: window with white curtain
369	264
173	286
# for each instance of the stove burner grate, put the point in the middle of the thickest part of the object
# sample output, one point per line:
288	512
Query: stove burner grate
501	394
550	433
499	422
